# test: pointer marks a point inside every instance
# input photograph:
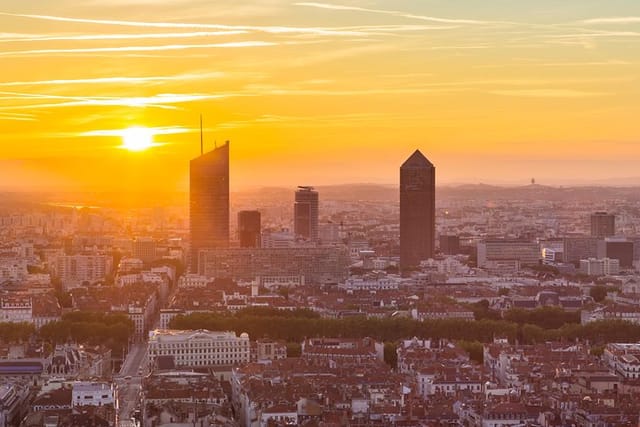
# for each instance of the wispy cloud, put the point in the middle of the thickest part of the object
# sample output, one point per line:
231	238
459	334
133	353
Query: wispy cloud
18	117
314	121
162	130
242	44
16	37
148	24
595	35
613	20
529	64
391	13
163	101
548	93
114	80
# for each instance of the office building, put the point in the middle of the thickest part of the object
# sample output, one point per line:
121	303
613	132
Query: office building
317	264
329	233
417	210
76	270
144	248
449	244
209	202
305	213
551	256
578	248
249	229
603	224
199	348
620	249
501	250
277	239
599	267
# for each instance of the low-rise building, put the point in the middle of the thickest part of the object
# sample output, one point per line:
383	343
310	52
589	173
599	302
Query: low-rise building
200	347
93	394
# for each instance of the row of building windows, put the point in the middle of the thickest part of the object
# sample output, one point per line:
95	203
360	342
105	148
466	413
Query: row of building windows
202	344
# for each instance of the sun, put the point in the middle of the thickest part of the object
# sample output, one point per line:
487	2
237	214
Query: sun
137	139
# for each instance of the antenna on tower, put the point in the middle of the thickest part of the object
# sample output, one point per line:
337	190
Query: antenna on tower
201	141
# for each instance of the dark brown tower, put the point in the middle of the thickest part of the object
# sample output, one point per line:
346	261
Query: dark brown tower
305	213
209	202
603	224
249	229
417	210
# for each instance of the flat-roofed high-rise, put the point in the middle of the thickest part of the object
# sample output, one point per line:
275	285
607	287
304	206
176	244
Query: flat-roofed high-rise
417	210
603	224
209	202
249	229
305	213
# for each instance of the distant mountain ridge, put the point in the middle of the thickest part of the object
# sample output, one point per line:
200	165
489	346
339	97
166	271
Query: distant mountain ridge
381	193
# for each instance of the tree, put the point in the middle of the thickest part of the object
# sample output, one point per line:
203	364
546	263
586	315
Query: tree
598	293
474	349
390	354
90	328
294	349
15	332
597	351
482	311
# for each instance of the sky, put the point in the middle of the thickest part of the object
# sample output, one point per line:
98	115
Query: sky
316	93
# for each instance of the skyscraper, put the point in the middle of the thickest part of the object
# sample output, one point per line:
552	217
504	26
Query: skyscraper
417	210
209	202
603	224
305	213
249	229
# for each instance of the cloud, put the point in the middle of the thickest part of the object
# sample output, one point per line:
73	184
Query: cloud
314	121
612	20
595	34
392	13
242	44
529	64
162	130
162	101
14	38
147	24
18	117
114	80
548	93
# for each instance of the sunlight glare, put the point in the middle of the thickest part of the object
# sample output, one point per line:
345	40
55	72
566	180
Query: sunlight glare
137	139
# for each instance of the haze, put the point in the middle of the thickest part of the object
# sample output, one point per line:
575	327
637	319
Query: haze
318	93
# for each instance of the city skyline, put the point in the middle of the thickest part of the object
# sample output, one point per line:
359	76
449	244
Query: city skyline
496	94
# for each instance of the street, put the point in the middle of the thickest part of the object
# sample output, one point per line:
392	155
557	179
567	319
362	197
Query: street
134	359
129	383
129	391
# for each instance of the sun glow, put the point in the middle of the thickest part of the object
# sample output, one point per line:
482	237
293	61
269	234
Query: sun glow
137	139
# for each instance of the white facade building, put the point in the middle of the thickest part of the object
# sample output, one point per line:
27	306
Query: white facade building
199	348
380	283
16	309
193	281
600	267
624	359
92	394
73	270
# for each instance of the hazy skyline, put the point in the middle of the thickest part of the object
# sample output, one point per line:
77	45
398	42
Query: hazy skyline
318	92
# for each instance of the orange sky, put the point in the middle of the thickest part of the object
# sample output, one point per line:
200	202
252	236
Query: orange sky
318	93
